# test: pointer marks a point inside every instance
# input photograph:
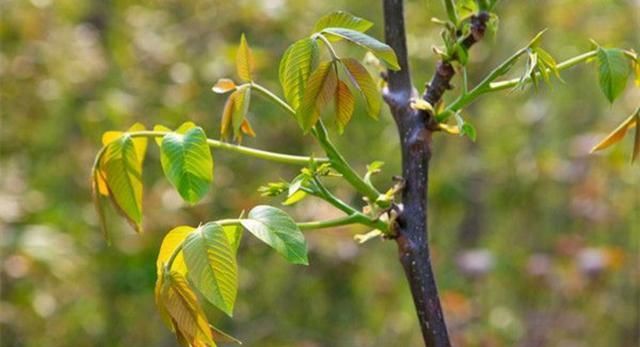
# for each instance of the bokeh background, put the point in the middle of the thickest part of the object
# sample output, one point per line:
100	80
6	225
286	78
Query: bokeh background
535	242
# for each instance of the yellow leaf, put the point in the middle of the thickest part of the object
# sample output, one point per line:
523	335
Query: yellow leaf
247	129
139	143
171	241
618	133
182	306
110	136
450	129
344	105
636	142
162	128
244	60
223	85
227	114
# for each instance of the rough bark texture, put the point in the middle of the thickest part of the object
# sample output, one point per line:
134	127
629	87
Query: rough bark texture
415	129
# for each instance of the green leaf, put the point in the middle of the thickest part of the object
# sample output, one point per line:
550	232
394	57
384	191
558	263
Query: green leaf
295	67
211	263
234	234
275	228
362	81
341	19
344	106
170	243
320	89
466	8
376	47
123	170
613	71
244	60
187	163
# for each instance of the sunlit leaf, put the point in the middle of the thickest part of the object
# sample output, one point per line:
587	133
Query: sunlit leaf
613	70
172	240
320	89
295	67
223	85
344	105
376	47
244	60
618	133
187	163
275	228
341	19
181	305
123	170
234	235
211	263
362	81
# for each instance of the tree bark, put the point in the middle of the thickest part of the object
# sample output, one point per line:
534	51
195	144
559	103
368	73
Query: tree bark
415	138
416	129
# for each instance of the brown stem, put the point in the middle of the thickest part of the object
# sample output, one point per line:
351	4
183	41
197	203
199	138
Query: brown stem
415	137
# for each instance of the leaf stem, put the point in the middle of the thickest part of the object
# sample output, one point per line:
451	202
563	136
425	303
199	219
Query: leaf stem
269	95
252	152
488	85
334	55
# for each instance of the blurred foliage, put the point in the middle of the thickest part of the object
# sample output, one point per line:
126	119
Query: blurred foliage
535	242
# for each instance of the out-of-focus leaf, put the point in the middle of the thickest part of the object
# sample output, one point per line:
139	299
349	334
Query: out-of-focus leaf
376	47
275	228
320	89
171	241
362	81
221	336
244	60
344	105
613	70
295	67
234	115
466	8
211	263
187	163
181	305
341	19
223	85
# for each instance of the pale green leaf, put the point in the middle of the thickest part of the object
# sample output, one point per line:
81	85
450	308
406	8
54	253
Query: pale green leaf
295	67
613	71
344	106
362	81
341	19
381	50
211	263
318	92
275	228
187	163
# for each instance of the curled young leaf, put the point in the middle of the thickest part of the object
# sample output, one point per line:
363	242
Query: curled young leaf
244	60
344	106
619	133
223	85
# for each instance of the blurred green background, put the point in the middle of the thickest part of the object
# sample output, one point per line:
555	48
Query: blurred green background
535	242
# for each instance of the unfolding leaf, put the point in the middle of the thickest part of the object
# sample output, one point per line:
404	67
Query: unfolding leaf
613	71
275	228
244	60
234	113
123	174
223	85
376	47
187	163
362	81
295	67
618	133
181	305
320	89
341	19
170	243
211	263
344	105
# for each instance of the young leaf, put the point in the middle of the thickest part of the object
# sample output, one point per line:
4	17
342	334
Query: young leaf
181	305
466	8
211	264
363	82
221	336
320	89
123	171
275	228
295	67
170	243
341	19
344	106
613	71
619	133
240	110
187	163
376	47
244	60
223	85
